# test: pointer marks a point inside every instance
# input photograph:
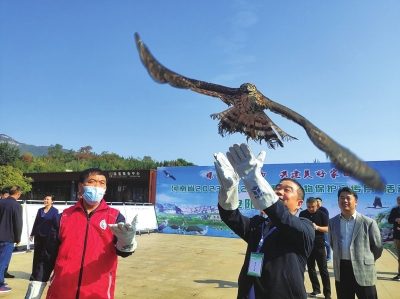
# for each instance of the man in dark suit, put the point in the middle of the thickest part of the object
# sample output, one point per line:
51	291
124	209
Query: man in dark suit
4	194
10	230
356	243
320	222
394	218
278	246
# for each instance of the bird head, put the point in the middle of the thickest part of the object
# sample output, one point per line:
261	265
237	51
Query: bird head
247	87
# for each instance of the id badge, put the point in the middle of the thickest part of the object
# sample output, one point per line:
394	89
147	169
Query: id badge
255	264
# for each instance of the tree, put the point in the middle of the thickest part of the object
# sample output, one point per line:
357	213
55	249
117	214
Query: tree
10	176
84	152
55	151
8	153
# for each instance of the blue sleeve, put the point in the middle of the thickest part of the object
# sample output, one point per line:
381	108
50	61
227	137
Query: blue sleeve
238	223
35	224
298	230
18	223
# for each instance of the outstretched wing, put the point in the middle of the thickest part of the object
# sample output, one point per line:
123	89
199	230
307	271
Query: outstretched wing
163	75
234	120
341	157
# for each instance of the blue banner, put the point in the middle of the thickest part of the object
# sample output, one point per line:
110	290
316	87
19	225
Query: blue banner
187	197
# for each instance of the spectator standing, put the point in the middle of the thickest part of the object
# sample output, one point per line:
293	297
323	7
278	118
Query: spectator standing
394	218
41	228
5	192
10	230
320	223
356	243
327	246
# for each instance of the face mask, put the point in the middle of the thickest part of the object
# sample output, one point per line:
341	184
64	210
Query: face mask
93	195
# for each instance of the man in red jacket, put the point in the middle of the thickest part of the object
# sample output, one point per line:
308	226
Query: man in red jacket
83	246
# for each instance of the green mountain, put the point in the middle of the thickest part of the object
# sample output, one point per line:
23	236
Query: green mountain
24	148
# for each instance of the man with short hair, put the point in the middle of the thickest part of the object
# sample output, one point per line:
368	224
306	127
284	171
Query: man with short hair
356	243
320	222
4	193
327	246
83	246
277	246
394	218
10	230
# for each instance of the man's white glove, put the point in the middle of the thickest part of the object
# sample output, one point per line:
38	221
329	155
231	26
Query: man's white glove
125	233
248	168
35	289
228	197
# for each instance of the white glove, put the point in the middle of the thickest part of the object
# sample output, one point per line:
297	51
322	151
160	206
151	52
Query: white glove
35	289
125	233
228	197
249	169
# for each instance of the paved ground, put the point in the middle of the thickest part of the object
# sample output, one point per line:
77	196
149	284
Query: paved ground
182	266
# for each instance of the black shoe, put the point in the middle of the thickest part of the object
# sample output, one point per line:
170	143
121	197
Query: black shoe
8	275
397	277
314	294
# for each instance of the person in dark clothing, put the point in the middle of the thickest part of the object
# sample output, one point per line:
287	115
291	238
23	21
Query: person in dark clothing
4	194
41	228
273	266
320	223
327	246
394	218
10	230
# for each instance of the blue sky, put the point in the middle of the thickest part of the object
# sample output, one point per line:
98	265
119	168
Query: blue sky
70	74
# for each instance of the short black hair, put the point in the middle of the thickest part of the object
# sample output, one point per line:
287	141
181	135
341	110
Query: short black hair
318	198
301	193
5	190
348	190
85	174
311	200
51	196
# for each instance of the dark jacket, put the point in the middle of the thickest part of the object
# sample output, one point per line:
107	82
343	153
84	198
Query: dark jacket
42	225
323	209
395	213
285	251
10	220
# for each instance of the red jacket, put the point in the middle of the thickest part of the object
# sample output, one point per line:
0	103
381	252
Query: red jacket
86	263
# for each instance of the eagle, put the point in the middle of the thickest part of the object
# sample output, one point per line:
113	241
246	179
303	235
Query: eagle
246	115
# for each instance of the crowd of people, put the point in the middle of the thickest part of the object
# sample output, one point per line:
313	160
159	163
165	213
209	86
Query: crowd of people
77	249
274	265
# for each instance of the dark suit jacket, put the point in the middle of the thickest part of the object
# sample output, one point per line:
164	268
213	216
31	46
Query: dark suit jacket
41	226
10	220
285	251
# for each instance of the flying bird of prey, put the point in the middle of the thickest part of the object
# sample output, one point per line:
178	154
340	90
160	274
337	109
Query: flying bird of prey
246	115
168	175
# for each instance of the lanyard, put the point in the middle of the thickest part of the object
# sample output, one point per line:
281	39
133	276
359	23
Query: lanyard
263	237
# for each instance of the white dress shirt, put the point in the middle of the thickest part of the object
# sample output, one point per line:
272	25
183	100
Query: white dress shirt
346	233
